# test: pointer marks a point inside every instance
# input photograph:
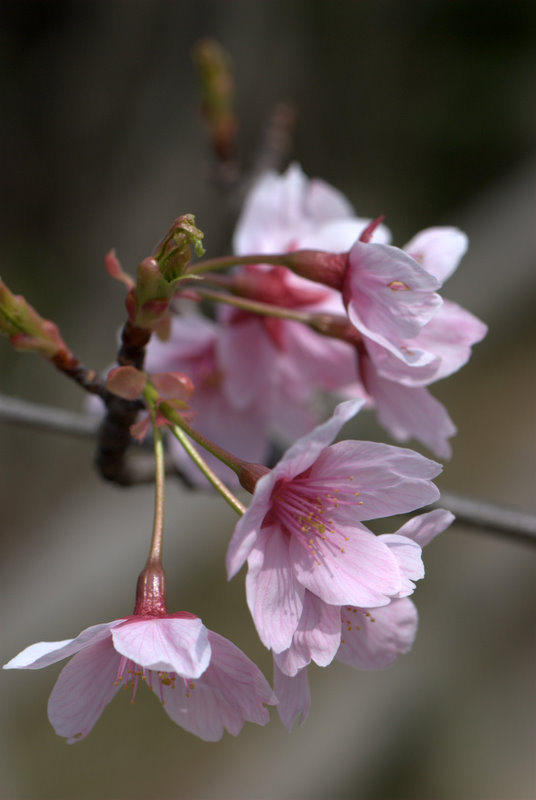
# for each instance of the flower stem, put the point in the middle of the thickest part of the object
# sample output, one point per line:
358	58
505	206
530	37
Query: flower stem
151	586
213	264
231	461
155	553
225	492
256	307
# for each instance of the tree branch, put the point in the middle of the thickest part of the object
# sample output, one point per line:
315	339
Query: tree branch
47	418
489	517
479	514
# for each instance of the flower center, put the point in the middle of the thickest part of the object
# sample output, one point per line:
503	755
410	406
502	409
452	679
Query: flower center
352	623
306	510
129	675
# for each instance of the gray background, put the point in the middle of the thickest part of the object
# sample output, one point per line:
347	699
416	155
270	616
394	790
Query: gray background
422	111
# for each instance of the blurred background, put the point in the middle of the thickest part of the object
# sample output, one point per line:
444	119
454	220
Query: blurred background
425	112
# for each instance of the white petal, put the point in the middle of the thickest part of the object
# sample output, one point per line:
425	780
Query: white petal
42	654
165	643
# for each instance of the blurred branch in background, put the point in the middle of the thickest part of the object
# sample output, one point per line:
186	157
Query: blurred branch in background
468	511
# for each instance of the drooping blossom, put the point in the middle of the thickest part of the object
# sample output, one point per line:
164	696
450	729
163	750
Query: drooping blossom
368	638
204	682
397	385
303	533
390	297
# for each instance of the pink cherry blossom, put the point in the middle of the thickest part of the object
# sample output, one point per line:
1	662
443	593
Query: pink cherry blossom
368	639
204	682
303	530
395	385
283	360
290	212
235	421
389	297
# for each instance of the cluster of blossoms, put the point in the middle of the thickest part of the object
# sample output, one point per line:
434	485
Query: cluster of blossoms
317	301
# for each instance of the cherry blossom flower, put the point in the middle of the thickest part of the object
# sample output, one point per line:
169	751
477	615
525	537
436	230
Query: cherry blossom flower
204	682
303	530
389	297
366	638
409	336
396	385
286	361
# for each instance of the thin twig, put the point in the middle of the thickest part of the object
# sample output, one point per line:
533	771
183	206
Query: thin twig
46	418
489	517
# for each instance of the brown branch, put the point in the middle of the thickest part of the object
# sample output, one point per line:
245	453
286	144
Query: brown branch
114	433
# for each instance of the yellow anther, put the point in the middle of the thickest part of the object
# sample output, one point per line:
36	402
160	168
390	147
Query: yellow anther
398	286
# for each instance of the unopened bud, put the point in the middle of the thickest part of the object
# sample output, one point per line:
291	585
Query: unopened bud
26	328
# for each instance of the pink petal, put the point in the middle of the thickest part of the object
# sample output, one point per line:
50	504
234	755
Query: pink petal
84	688
249	525
164	643
319	362
365	574
374	639
198	710
385	479
439	250
248	358
293	695
324	202
419	366
412	411
317	637
450	335
409	560
306	450
388	295
43	654
425	527
231	691
274	596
